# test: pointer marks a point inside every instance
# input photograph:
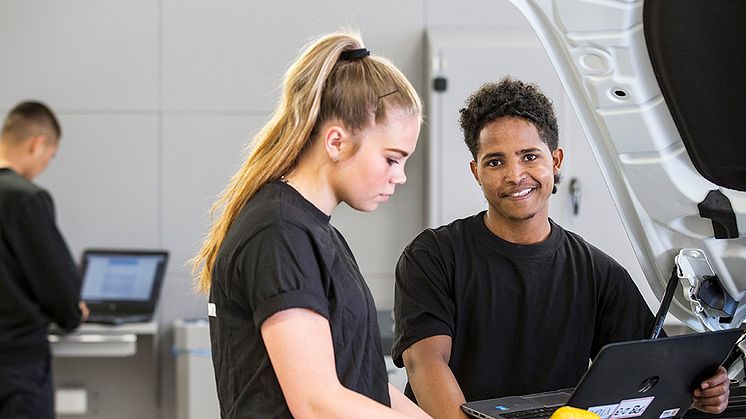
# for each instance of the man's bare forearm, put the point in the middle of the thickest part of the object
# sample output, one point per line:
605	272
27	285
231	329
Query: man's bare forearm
436	389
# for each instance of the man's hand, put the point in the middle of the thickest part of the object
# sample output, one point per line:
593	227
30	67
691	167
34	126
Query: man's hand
712	395
84	312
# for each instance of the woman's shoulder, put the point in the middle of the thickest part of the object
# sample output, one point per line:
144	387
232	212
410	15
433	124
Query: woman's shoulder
275	211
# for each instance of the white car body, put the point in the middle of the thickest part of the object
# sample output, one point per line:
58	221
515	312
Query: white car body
600	52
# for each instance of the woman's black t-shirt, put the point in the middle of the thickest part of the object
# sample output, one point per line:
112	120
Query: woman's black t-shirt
281	252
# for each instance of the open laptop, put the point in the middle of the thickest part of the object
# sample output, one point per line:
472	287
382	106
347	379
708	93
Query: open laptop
122	286
637	379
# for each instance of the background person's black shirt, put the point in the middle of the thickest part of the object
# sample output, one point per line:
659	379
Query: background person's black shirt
39	281
281	252
522	318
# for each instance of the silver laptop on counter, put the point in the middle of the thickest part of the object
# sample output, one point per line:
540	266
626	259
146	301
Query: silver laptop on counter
122	286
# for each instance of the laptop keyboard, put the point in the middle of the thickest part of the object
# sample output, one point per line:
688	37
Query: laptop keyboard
538	413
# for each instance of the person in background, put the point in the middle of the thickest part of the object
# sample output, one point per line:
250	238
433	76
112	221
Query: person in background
506	301
293	325
39	281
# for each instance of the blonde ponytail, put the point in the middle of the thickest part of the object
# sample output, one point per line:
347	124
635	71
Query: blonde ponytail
317	87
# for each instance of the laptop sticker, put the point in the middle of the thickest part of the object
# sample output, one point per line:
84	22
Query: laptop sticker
604	412
670	413
632	408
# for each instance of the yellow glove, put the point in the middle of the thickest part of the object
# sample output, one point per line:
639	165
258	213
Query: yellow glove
567	412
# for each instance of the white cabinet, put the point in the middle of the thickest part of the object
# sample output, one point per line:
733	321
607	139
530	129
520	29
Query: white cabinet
196	392
100	369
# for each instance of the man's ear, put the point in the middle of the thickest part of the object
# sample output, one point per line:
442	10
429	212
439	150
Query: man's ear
474	171
37	144
336	141
557	156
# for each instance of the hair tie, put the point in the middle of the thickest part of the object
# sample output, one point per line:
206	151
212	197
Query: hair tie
354	54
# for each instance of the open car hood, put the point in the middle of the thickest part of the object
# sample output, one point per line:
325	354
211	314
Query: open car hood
659	89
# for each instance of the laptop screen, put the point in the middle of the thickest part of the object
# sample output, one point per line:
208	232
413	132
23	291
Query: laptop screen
121	276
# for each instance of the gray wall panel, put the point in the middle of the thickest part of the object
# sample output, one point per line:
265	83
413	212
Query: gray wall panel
80	54
473	14
201	153
231	55
104	181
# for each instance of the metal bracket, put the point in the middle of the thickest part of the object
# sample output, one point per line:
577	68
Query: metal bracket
702	288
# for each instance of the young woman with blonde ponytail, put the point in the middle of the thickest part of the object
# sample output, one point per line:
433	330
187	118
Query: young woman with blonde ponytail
292	323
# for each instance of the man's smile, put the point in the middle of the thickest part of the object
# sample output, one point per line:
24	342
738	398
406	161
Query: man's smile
519	193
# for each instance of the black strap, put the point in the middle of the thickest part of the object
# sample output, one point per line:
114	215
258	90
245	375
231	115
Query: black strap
354	54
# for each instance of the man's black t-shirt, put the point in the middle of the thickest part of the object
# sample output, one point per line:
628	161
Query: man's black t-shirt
39	281
281	252
522	318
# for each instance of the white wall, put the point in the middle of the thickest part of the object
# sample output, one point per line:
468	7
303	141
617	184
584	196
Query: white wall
158	98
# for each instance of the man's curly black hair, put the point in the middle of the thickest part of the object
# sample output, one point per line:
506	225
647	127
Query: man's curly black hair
508	98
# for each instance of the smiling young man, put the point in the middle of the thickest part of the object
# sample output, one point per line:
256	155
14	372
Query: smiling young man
506	301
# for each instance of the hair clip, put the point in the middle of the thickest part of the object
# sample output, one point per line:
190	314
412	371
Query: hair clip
388	94
354	54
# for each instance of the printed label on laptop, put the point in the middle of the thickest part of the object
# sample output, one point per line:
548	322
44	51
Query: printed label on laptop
632	408
604	412
669	413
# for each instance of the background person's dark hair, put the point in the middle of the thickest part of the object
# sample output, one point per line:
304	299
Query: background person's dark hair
30	118
508	98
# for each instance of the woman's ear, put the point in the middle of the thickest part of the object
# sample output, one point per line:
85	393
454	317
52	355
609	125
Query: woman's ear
336	141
